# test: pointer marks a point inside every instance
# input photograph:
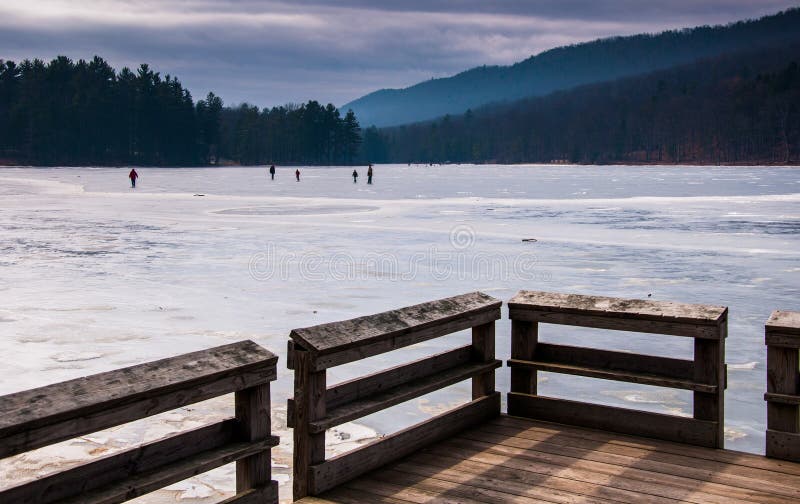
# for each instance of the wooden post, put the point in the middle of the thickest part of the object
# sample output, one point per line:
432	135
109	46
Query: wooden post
483	343
309	405
524	337
709	368
253	417
782	335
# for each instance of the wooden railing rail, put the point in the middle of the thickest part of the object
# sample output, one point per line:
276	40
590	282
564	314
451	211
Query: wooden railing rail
782	337
705	376
39	417
316	407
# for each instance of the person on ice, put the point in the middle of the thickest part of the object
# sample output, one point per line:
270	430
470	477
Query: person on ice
297	174
369	175
133	176
355	177
272	172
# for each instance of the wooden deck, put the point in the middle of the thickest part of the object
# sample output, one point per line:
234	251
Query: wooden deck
512	459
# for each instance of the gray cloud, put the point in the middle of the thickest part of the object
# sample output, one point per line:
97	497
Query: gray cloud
269	53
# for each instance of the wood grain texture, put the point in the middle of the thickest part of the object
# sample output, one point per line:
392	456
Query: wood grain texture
338	336
782	398
142	469
401	393
46	415
783	445
615	323
483	350
624	376
344	467
365	386
680	369
524	342
253	424
308	406
632	309
595	416
709	368
516	460
783	386
782	321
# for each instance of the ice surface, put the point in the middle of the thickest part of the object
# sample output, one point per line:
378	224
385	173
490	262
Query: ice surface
95	275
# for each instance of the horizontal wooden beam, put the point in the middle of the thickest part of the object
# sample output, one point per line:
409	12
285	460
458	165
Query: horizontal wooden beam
341	342
605	374
617	323
615	361
401	393
345	467
630	309
609	418
46	415
359	388
137	471
782	398
322	362
781	339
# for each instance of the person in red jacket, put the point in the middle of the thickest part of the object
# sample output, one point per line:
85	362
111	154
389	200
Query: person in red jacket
133	176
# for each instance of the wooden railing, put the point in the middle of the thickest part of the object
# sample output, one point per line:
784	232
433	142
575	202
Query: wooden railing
705	375
47	415
782	336
316	407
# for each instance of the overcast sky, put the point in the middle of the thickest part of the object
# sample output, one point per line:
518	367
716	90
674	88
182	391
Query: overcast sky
270	53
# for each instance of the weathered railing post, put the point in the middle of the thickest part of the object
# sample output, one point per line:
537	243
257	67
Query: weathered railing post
309	405
709	368
254	424
483	351
524	336
782	337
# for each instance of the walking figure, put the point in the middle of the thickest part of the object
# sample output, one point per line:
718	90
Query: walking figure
369	175
297	174
272	172
133	176
355	177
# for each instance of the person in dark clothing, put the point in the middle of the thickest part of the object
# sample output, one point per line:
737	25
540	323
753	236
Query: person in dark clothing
133	176
355	177
369	175
272	172
297	174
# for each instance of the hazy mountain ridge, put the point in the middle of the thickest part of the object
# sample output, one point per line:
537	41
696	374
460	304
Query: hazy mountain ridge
571	66
738	108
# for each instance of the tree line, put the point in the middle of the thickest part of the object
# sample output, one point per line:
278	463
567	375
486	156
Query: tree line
743	108
83	113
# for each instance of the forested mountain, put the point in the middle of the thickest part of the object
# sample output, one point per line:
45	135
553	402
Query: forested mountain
738	108
567	67
78	113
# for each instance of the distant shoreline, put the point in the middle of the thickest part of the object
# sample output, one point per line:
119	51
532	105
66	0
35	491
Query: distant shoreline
4	164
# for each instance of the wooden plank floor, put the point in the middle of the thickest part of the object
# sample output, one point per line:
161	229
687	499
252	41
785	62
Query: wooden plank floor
522	461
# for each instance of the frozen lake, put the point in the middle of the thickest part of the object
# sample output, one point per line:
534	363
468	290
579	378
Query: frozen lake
95	276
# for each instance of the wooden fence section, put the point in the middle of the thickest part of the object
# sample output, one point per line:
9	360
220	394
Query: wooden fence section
316	407
705	375
782	336
47	415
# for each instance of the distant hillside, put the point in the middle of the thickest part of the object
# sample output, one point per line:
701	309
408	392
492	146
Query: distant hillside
571	66
741	108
